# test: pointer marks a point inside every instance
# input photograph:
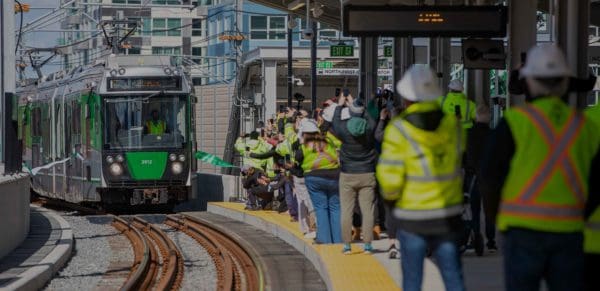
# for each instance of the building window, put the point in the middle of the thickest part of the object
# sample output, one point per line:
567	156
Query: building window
166	2
166	27
159	50
267	27
197	27
127	1
326	31
146	28
197	54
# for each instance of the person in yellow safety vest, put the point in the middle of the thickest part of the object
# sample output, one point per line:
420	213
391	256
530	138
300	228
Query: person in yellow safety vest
591	233
536	174
320	163
419	173
456	103
156	125
247	146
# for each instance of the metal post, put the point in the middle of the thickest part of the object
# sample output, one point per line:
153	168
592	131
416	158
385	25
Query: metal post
7	83
368	67
403	58
439	59
290	70
313	67
573	18
522	33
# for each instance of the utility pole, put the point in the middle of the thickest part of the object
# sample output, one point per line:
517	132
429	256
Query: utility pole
7	85
290	70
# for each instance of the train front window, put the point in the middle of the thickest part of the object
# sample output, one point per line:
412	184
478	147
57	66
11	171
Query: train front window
145	122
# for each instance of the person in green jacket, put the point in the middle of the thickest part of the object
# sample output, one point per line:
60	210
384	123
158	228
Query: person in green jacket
457	103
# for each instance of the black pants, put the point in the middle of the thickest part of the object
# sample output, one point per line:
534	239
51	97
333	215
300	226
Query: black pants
475	200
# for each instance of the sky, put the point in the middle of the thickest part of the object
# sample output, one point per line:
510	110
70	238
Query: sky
39	39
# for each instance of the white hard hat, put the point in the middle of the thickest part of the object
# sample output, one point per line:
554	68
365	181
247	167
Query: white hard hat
546	61
419	84
456	85
308	126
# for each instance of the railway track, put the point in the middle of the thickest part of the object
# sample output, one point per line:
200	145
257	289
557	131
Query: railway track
236	270
158	264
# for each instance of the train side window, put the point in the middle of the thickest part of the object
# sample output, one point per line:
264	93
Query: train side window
76	118
36	127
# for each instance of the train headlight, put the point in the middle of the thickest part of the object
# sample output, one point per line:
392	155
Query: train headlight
122	71
110	159
119	158
168	71
116	169
177	168
113	73
172	157
182	158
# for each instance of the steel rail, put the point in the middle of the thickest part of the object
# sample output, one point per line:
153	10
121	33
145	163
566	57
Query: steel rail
236	269
172	260
142	255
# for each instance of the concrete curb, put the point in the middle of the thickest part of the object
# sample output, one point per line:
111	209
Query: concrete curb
299	244
37	276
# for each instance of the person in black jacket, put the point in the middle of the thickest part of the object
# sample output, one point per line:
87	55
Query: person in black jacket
358	159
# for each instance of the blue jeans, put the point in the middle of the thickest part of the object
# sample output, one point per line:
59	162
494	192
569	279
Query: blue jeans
325	196
413	248
530	256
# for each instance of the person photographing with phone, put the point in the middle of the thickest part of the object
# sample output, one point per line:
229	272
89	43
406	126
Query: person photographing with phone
457	103
358	159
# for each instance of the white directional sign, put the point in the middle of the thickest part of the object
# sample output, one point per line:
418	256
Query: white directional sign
350	72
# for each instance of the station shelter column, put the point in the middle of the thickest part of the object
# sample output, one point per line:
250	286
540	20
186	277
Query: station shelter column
368	66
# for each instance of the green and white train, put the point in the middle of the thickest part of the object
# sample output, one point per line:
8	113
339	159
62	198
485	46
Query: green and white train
86	138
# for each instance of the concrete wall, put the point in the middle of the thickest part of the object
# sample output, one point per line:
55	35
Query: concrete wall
211	188
14	211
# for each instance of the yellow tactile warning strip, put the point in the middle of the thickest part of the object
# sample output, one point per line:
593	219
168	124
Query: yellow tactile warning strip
357	271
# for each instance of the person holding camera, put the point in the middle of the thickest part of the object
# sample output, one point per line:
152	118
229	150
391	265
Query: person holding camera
320	165
358	158
256	184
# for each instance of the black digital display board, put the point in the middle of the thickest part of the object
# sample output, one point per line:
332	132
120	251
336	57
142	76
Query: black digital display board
425	21
144	84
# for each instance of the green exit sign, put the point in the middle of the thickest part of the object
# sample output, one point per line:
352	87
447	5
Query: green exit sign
387	51
341	51
325	65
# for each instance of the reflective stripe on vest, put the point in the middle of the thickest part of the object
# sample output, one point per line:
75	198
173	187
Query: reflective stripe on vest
559	144
324	155
428	177
428	213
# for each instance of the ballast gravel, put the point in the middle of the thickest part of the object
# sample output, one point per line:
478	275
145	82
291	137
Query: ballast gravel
92	256
199	270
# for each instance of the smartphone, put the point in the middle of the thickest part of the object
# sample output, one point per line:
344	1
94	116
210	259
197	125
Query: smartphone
337	92
281	108
523	58
457	110
346	92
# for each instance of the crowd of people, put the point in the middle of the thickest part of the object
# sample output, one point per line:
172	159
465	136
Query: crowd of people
351	169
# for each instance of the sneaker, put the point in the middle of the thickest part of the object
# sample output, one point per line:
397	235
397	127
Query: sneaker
347	249
311	235
491	246
368	248
393	253
250	208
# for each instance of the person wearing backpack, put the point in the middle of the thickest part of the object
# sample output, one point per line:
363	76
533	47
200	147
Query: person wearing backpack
358	158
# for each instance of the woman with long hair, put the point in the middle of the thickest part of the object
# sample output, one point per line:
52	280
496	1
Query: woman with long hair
319	161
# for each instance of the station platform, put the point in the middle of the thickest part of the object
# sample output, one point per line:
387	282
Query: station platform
46	249
360	271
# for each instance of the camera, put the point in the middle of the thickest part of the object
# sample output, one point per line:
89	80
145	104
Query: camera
299	97
308	33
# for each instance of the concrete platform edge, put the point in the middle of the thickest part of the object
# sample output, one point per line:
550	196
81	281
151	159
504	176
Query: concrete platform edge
302	246
36	277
